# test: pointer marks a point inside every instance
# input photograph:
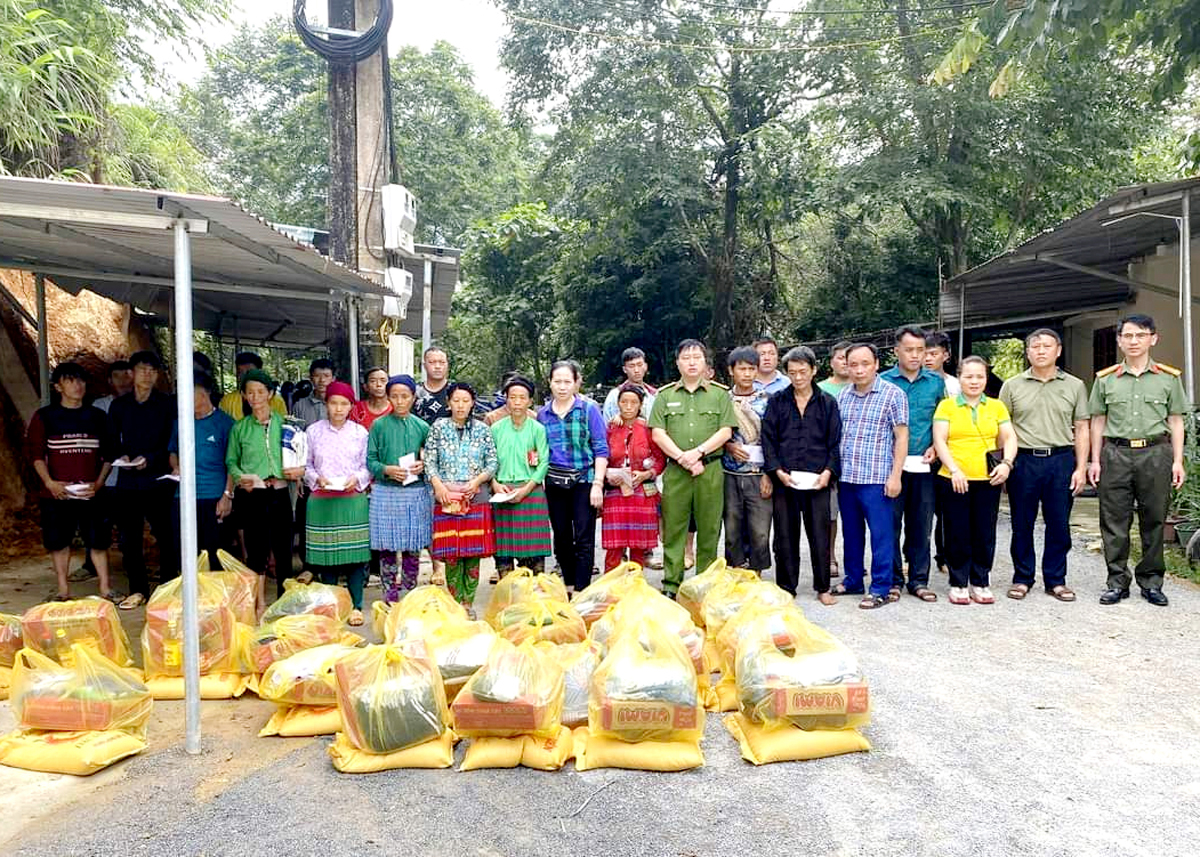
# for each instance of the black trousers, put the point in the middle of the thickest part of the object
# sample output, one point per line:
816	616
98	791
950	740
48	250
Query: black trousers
266	515
791	508
970	530
133	508
573	522
208	536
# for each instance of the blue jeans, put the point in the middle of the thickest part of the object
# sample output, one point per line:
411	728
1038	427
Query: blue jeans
1046	482
864	506
914	509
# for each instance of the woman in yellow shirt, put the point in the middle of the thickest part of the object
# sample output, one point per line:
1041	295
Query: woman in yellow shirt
965	428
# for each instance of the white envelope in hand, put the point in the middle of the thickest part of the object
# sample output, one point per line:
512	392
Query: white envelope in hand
407	462
915	464
755	451
804	480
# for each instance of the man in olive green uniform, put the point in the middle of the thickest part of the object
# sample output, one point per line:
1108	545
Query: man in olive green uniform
691	421
1137	434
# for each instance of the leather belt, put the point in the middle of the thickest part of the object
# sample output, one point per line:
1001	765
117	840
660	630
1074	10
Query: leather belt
1044	451
1138	442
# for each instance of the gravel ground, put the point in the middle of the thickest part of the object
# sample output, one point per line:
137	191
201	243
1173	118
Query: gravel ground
1022	728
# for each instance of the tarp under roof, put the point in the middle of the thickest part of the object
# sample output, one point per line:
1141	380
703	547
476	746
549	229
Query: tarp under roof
1080	264
246	275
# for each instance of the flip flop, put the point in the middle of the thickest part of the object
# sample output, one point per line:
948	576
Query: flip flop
1062	593
356	618
873	602
925	594
1018	591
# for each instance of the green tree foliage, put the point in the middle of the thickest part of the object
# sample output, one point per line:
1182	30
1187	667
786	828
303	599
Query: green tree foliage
146	149
260	116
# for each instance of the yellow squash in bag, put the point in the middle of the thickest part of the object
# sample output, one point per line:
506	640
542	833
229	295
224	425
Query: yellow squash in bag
646	688
521	585
519	691
94	694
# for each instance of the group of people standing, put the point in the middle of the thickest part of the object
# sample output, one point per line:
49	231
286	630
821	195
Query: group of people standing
911	458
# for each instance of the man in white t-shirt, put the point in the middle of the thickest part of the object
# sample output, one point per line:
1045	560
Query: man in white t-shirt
937	354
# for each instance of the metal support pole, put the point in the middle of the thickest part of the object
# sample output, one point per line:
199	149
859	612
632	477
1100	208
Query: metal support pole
187	484
427	308
962	320
352	323
39	282
1185	291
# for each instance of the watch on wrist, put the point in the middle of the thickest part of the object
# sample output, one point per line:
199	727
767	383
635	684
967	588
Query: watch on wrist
228	494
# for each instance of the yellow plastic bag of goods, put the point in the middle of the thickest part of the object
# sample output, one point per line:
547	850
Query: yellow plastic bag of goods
93	694
417	614
241	588
77	753
221	641
11	638
527	751
461	648
314	598
390	697
818	685
54	628
594	601
305	678
729	596
519	691
288	635
540	621
646	688
762	745
303	721
600	751
5	681
784	626
578	662
693	590
521	585
212	686
643	603
437	753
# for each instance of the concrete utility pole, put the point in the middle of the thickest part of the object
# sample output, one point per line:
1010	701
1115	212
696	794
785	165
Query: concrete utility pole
358	167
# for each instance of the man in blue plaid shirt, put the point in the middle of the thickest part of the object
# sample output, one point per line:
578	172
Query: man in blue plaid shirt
874	443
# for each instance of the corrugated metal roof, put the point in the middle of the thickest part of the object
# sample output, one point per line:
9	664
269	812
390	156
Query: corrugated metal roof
1037	278
246	274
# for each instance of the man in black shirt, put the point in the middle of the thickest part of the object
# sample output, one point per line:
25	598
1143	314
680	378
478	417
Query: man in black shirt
432	402
70	446
142	422
801	438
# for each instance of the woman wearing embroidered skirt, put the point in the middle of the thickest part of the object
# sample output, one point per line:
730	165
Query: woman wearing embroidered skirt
523	456
401	503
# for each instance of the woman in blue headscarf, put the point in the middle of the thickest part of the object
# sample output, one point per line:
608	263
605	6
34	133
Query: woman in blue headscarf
401	504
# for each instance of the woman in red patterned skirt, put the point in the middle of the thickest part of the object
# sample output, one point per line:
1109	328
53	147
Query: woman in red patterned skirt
631	498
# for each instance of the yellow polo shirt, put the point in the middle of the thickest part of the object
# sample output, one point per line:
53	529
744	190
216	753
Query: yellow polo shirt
973	432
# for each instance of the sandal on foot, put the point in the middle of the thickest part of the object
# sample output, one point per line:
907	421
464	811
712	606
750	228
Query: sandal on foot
1018	591
874	602
495	578
893	594
356	618
925	594
958	595
982	595
114	596
134	601
304	577
841	589
55	595
1062	593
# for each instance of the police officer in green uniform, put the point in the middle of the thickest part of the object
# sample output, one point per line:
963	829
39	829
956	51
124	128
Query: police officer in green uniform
1137	434
691	421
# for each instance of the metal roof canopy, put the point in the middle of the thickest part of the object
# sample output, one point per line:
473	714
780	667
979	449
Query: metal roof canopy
250	280
1082	264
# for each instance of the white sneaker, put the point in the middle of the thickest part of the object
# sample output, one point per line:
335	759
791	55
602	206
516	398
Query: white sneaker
959	595
982	595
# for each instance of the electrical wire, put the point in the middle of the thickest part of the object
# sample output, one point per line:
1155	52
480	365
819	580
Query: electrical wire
820	13
723	48
344	50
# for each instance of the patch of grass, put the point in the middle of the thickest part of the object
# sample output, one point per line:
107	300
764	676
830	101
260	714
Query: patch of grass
1177	564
